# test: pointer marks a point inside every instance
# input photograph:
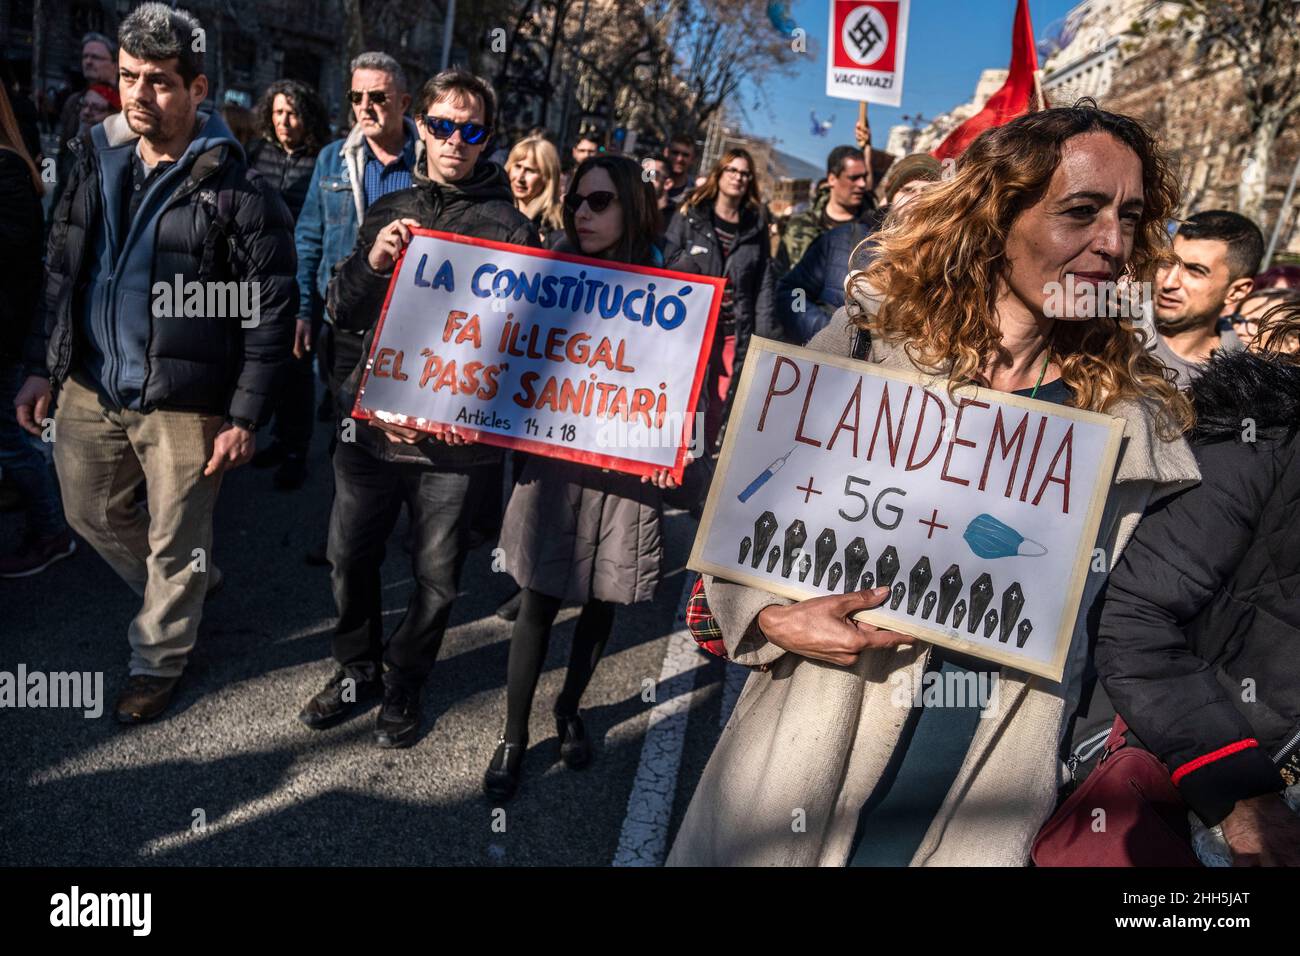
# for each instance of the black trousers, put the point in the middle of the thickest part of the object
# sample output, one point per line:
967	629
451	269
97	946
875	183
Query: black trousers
368	494
295	391
295	403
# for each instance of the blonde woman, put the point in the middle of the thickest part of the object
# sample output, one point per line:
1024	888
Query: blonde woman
959	289
534	170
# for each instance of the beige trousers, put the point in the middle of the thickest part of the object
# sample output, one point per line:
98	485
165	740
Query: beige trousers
165	552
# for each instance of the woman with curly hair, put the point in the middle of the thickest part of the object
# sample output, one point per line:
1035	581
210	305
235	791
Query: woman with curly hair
291	129
818	765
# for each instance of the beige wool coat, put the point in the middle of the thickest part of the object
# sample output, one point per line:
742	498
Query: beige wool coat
808	741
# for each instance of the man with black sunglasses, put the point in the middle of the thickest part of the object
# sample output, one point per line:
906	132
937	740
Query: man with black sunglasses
376	158
440	478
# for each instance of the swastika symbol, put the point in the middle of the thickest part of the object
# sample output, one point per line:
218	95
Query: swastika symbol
865	35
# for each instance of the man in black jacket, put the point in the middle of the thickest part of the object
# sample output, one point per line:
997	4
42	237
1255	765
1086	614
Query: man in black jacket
1200	625
378	466
168	306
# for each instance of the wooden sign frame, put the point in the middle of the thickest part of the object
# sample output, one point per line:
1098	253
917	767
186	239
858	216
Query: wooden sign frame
992	652
550	449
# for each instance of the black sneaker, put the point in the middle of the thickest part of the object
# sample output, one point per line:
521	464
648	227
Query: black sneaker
269	457
292	473
340	699
398	722
35	554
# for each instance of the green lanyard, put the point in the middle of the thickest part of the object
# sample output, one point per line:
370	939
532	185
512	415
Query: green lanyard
1041	372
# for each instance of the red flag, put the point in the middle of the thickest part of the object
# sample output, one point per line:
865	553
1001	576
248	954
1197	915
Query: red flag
1013	99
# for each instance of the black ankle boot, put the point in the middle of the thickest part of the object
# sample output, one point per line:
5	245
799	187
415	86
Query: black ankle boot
575	750
502	776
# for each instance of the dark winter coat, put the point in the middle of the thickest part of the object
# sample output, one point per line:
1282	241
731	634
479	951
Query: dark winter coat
579	532
482	206
288	173
692	246
207	219
21	226
820	276
1199	644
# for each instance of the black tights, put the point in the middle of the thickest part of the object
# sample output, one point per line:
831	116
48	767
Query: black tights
532	635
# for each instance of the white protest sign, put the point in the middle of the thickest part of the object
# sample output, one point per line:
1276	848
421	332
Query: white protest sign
867	44
980	513
555	354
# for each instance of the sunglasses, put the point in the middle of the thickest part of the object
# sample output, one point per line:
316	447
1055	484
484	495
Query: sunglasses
377	97
471	133
597	202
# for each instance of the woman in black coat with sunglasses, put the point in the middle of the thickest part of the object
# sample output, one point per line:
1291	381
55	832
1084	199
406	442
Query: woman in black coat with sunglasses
577	533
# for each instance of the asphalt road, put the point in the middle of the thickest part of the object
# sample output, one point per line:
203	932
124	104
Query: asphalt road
230	777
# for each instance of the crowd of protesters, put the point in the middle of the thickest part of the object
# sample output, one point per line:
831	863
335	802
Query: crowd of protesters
931	270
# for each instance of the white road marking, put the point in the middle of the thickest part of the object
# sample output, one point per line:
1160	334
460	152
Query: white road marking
643	840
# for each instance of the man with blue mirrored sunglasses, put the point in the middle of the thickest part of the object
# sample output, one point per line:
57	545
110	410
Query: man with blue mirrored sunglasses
440	478
442	127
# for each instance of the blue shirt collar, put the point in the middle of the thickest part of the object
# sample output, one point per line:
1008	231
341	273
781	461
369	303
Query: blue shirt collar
408	148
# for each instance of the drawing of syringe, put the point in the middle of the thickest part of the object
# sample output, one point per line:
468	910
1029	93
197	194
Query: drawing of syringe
763	476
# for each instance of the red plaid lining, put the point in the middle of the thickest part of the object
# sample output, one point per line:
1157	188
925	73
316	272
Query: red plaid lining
701	622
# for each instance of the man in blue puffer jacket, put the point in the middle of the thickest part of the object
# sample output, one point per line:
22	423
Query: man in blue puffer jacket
808	295
168	308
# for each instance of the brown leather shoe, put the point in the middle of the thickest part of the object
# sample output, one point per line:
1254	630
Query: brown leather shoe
144	698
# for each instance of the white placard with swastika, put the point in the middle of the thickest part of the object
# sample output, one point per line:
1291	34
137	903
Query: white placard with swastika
866	47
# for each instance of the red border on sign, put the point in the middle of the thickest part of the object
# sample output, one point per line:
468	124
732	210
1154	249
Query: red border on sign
532	446
889	10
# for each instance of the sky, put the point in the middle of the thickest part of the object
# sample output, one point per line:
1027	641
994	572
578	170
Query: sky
950	42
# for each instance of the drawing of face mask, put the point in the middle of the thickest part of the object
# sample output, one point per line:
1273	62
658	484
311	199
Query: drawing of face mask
990	538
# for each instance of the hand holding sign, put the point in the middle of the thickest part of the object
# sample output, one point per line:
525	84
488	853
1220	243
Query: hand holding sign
662	478
823	627
400	434
390	242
